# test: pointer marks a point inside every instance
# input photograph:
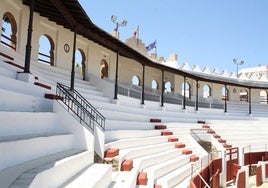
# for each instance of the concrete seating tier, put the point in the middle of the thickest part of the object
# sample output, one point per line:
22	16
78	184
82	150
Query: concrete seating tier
128	129
95	175
37	144
135	142
243	133
175	177
156	171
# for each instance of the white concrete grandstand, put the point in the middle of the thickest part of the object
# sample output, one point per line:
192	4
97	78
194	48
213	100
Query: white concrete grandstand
117	117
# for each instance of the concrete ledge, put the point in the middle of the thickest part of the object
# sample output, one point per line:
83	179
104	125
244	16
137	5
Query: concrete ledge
142	178
127	165
112	152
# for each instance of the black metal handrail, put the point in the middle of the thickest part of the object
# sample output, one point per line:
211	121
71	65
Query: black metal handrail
81	107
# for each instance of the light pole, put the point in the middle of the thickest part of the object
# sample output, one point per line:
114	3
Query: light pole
123	24
237	63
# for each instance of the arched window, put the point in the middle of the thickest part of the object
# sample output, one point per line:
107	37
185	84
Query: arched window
46	50
167	87
206	91
9	31
243	95
154	85
80	59
187	90
104	69
223	94
263	96
135	80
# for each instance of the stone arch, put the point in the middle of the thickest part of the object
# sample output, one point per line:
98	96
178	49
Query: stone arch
46	50
104	69
263	96
80	59
223	93
136	80
188	89
154	85
206	91
168	87
11	40
243	93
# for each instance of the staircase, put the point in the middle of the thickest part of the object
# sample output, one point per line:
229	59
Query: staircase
41	144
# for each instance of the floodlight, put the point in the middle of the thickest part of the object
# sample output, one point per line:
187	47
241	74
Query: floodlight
124	23
113	18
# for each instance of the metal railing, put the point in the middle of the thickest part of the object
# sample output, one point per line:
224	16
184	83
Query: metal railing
7	41
81	107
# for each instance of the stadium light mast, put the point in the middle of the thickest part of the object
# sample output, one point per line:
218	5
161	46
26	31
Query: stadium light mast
117	25
237	64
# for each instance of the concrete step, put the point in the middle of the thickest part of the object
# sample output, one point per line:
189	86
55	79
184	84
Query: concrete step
165	167
95	175
6	71
131	125
67	166
114	135
21	87
124	116
132	153
24	102
9	175
175	177
92	97
15	123
22	148
135	142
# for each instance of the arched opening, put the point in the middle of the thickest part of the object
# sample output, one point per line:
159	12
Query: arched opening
80	59
104	69
46	50
187	90
135	80
167	87
206	92
243	95
9	31
223	94
263	96
154	85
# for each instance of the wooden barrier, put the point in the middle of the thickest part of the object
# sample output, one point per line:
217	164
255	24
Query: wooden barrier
213	168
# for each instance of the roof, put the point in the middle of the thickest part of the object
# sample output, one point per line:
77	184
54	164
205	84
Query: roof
71	15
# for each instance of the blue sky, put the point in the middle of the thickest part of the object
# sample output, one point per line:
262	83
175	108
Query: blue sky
204	32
